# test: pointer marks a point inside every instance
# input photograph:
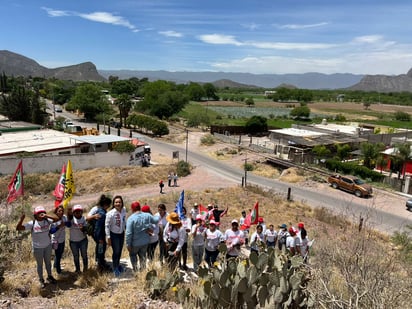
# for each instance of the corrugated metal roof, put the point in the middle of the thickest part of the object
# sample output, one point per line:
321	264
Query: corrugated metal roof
100	139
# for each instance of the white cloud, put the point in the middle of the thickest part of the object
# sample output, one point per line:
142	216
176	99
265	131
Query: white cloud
220	39
55	13
171	33
101	17
298	26
231	40
108	18
368	39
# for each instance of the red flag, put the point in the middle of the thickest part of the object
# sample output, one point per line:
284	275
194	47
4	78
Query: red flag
59	189
16	185
203	212
251	218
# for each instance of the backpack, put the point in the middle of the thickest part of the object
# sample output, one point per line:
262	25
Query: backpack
90	227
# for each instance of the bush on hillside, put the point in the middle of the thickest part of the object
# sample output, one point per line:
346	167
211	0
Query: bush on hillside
183	168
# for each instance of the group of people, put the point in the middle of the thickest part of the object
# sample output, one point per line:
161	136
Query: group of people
171	177
143	232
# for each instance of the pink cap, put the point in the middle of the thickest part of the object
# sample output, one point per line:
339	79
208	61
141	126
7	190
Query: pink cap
39	209
77	207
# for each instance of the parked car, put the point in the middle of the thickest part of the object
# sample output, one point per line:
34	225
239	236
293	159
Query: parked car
58	109
409	204
350	184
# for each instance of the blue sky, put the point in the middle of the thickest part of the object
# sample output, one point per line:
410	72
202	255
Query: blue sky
254	36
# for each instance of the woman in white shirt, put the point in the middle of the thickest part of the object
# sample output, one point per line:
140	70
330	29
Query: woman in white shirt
78	238
198	244
58	239
174	237
213	238
257	239
42	249
115	226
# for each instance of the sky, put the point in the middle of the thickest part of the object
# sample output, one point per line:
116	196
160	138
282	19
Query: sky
248	36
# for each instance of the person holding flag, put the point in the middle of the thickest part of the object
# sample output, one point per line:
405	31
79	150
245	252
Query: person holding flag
40	229
16	185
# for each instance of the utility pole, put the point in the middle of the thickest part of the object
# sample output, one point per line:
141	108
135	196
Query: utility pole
187	141
245	167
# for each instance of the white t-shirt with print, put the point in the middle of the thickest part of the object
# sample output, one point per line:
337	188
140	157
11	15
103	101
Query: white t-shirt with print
213	239
199	236
115	222
271	235
60	235
39	232
76	233
234	239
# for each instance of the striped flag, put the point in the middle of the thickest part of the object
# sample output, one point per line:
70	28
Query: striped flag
69	188
251	218
59	189
16	185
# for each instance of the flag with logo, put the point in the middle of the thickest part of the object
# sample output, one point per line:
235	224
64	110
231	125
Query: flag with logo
203	212
69	188
16	185
59	189
251	218
179	205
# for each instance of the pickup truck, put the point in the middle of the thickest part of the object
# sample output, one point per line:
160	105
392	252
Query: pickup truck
350	184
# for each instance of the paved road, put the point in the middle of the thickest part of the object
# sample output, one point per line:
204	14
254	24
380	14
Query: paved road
353	208
350	206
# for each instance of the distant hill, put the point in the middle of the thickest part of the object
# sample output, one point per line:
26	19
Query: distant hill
306	80
223	83
385	83
17	65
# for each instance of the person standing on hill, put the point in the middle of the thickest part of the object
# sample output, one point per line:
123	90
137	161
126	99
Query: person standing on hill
138	230
162	214
115	226
270	236
78	238
153	235
257	239
169	179
198	244
161	185
187	226
58	239
42	248
234	240
174	237
175	177
213	237
97	218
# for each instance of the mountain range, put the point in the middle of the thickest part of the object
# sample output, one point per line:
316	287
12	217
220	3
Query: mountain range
17	65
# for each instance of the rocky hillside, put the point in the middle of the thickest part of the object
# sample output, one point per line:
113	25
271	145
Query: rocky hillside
385	83
18	65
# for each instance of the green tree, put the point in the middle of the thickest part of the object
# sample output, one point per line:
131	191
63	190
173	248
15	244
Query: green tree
301	112
195	92
210	91
250	102
402	116
256	124
342	151
370	153
402	155
321	151
89	100
124	103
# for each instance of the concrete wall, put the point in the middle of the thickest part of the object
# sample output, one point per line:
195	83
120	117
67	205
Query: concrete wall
44	164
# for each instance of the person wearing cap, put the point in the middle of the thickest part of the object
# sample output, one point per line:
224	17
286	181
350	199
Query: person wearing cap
261	221
41	245
194	212
187	226
213	237
271	236
97	217
161	185
234	239
138	230
78	238
282	236
115	226
174	237
293	242
58	239
162	214
198	244
242	222
153	235
301	227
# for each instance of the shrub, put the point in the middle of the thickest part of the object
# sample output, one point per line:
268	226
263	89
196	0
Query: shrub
248	167
207	140
183	168
124	147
